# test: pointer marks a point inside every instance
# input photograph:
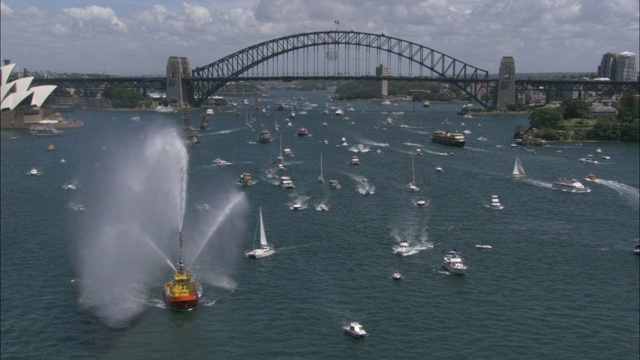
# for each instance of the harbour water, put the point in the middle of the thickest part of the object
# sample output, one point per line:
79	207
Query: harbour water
560	282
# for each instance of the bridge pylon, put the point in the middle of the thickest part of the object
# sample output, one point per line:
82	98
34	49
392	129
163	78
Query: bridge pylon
506	89
178	69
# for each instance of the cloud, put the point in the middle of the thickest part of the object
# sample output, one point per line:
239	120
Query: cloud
94	18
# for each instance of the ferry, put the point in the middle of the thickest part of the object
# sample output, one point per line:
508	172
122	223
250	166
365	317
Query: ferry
448	138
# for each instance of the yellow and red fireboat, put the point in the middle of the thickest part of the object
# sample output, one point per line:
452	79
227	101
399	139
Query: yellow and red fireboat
181	292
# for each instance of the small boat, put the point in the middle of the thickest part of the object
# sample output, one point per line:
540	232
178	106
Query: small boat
322	207
292	114
51	148
360	148
421	202
454	263
339	112
396	275
606	157
518	170
355	329
418	152
636	249
484	247
402	249
334	184
296	205
354	160
264	137
33	172
569	185
286	183
70	186
343	142
439	169
599	150
265	248
591	177
79	207
209	111
495	203
385	102
589	159
181	293
302	132
220	162
426	103
245	178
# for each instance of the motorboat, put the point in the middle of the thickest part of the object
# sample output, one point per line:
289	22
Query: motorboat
439	169
181	293
354	160
606	157
495	203
51	148
286	183
296	205
265	136
79	207
569	185
484	247
265	248
322	207
343	142
70	186
355	329
334	184
454	263
396	275
591	177
636	249
339	112
589	159
220	162
33	172
360	148
421	202
418	152
402	249
245	178
302	132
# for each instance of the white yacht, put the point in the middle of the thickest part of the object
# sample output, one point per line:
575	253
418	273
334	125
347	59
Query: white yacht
296	205
286	183
495	203
33	172
439	169
454	263
421	202
339	112
265	248
402	249
396	275
354	160
355	329
322	207
569	185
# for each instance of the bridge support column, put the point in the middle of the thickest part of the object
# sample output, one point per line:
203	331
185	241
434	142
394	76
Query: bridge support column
177	69
384	84
506	93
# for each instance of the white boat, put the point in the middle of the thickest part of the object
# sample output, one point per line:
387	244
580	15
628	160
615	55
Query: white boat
418	152
518	170
589	159
79	207
495	203
396	275
220	162
343	142
606	157
412	185
296	205
421	202
439	169
354	160
599	150
322	207
335	184
636	248
355	329
360	148
385	102
286	183
70	186
402	249
569	185
33	172
321	177
265	248
165	109
339	112
454	263
209	111
484	247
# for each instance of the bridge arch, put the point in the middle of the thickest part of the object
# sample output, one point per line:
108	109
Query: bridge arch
317	55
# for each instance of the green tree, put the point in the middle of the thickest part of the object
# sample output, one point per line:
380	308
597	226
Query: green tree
575	108
545	117
122	97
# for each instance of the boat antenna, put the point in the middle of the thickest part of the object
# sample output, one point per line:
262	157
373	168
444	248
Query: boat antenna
180	263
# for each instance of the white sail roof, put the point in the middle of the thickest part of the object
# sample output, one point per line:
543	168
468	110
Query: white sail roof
14	93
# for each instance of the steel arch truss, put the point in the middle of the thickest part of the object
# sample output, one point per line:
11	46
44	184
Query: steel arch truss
366	47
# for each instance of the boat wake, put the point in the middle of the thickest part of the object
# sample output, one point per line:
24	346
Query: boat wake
435	152
623	190
223	132
538	183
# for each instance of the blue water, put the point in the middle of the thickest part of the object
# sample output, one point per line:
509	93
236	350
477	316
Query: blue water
560	282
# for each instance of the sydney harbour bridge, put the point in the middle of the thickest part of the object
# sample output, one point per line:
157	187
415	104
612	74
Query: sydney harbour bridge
340	55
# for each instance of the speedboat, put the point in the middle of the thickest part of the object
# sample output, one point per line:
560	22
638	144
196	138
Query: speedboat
418	152
589	159
339	112
33	172
396	275
355	329
402	249
454	263
606	157
636	249
360	148
322	207
343	142
51	148
354	160
69	186
302	132
245	179
439	169
495	203
591	177
421	202
296	206
484	247
334	184
569	185
220	162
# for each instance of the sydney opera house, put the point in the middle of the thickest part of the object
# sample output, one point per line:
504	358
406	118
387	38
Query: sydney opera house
21	103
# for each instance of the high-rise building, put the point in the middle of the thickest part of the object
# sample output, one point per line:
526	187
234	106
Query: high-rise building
626	67
607	66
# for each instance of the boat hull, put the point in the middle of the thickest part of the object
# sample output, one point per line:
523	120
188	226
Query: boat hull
449	139
179	302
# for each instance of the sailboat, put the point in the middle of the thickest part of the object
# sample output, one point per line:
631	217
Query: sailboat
181	293
321	178
518	170
265	248
412	185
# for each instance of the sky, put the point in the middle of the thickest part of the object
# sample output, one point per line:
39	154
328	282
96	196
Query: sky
136	37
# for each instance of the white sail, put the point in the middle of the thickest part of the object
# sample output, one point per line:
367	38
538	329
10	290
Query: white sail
263	235
518	170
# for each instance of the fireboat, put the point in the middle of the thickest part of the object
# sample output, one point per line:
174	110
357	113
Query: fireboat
181	293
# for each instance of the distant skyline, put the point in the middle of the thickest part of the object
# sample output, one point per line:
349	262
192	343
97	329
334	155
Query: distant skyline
136	37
